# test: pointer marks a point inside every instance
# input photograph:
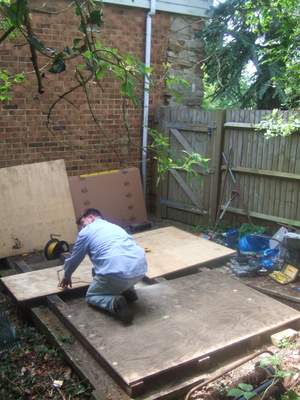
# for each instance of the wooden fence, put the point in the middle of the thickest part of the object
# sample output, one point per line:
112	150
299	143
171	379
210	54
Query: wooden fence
264	178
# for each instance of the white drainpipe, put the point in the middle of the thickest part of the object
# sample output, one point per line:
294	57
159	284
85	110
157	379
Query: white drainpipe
146	90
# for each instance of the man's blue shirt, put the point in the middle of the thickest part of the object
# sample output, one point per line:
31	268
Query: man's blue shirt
111	250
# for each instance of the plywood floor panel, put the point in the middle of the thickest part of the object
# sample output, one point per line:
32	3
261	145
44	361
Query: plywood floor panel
35	202
169	250
178	322
44	282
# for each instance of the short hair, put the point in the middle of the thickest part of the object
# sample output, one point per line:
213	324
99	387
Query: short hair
89	211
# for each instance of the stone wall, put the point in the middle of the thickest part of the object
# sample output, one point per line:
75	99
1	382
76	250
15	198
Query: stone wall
184	54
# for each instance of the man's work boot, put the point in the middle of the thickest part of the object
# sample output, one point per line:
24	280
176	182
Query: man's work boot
122	311
130	295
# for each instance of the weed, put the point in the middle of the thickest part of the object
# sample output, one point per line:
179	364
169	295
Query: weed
242	389
66	339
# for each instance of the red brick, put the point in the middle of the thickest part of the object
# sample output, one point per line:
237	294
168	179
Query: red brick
84	146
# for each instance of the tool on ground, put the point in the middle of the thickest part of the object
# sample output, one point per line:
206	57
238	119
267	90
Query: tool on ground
287	275
54	247
235	192
74	280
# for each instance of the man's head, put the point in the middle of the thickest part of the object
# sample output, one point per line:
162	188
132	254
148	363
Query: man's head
88	217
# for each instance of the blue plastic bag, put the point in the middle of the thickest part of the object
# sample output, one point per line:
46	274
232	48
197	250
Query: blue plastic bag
253	244
231	238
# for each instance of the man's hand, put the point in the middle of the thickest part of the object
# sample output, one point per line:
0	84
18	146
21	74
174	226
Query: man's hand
65	283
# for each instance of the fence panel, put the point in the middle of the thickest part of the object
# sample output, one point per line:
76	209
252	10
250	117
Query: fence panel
267	171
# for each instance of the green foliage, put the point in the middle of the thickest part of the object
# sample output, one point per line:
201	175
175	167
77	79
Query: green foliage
248	392
287	343
263	35
96	60
276	125
66	339
6	83
290	395
242	389
246	229
275	361
188	163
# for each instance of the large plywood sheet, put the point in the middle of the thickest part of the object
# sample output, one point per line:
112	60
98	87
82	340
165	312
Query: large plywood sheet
44	282
117	194
35	202
178	323
168	250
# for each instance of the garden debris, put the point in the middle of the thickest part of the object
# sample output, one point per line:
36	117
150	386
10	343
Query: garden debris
29	365
277	374
286	336
260	254
288	274
58	383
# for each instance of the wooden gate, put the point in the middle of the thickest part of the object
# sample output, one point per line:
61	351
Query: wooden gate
266	173
192	200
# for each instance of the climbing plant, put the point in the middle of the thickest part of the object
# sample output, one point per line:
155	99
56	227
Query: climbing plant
187	162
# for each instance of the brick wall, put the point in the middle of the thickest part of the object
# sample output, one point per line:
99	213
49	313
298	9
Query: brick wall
24	137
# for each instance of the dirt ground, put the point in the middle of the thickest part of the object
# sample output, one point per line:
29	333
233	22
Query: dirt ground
31	368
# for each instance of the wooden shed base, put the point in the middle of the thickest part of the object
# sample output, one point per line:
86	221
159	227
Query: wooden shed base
188	322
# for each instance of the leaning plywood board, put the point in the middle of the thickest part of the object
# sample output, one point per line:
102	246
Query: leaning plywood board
118	194
168	250
171	250
44	282
35	202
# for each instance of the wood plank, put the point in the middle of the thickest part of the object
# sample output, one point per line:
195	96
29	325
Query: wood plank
187	310
267	285
169	250
267	217
182	206
187	190
35	202
184	126
240	125
182	140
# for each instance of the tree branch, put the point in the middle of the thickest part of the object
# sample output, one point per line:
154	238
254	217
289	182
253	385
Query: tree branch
61	97
34	57
7	33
